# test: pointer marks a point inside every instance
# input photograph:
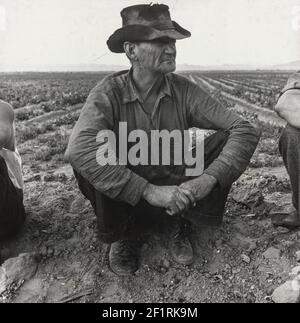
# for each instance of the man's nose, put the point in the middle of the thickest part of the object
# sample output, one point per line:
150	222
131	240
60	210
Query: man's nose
170	49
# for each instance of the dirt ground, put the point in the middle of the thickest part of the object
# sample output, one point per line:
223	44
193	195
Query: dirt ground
243	261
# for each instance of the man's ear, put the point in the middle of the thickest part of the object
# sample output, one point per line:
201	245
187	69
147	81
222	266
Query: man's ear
130	50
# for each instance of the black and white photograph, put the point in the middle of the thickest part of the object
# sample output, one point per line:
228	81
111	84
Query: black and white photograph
149	154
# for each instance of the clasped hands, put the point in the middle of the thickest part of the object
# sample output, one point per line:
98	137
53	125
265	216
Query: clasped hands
176	200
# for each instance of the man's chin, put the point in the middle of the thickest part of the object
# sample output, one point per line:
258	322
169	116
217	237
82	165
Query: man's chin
168	68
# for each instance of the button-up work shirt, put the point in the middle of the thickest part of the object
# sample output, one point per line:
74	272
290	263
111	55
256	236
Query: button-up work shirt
180	105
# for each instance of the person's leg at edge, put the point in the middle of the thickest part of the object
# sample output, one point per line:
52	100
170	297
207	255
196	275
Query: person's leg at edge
289	146
12	212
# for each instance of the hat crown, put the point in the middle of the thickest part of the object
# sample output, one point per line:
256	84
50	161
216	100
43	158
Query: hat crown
156	15
145	23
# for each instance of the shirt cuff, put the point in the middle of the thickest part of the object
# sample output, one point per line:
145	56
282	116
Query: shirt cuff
225	174
133	190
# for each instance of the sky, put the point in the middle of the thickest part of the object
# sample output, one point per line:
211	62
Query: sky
74	32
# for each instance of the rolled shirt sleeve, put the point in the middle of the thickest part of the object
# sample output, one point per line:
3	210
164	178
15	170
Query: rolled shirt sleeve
292	83
115	181
207	113
288	103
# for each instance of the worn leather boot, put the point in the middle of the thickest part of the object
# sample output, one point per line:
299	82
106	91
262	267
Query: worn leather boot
290	221
124	257
180	246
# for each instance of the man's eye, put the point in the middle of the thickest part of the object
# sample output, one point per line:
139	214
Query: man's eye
164	41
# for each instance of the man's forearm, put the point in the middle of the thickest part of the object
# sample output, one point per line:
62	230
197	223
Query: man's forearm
200	186
236	154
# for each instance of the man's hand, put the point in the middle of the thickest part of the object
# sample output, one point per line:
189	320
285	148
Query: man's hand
200	187
173	199
288	107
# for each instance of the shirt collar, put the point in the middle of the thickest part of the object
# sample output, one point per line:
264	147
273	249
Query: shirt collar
131	93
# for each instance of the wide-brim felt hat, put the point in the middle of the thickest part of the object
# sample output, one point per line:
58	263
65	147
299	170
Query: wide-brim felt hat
145	23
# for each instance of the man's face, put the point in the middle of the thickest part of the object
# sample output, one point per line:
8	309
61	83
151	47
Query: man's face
158	56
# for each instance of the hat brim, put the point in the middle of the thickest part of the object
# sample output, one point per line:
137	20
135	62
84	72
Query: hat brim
143	33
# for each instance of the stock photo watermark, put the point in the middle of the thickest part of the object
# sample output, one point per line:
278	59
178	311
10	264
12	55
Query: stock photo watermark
166	148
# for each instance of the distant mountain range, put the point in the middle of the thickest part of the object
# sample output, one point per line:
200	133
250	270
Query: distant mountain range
291	66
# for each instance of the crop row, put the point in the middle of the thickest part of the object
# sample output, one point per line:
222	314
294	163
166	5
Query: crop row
53	90
264	98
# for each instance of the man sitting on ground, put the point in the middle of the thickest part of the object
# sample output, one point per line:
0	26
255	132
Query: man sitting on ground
151	97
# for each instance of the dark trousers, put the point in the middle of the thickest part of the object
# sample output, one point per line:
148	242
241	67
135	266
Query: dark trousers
12	213
114	217
289	146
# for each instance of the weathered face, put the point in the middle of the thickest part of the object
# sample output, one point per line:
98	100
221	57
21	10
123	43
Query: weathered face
158	56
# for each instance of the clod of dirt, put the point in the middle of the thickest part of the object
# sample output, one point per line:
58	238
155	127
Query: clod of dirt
282	202
33	291
49	178
272	253
60	177
165	263
250	197
283	230
246	259
34	178
289	292
17	270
